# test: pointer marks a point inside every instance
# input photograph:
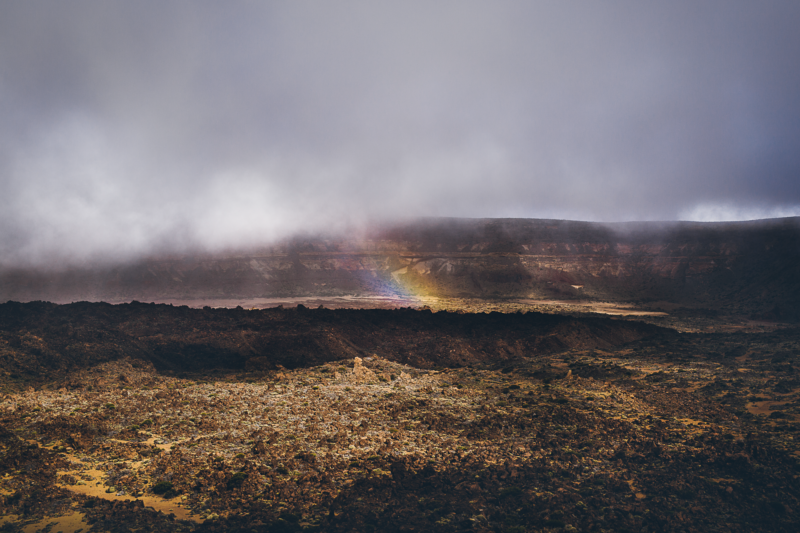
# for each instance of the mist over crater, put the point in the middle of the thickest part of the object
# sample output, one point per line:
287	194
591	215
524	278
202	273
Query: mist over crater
741	267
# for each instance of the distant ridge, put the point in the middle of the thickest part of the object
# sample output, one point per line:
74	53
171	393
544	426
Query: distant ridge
748	267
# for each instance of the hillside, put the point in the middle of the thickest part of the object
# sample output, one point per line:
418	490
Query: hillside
747	267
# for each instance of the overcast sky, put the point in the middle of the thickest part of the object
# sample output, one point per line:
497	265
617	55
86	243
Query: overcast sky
131	126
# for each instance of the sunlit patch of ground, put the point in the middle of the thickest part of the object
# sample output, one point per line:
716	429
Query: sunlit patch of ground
602	308
73	522
434	303
88	481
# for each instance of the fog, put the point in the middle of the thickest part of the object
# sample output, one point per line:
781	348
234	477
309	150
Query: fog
142	127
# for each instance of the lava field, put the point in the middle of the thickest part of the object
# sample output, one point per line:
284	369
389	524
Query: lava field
143	417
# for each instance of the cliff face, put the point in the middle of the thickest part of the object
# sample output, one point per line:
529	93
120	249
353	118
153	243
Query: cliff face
753	266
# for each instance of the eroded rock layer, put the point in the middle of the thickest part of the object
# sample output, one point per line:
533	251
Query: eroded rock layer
748	266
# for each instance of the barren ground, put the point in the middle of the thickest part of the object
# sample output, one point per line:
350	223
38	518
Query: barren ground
627	428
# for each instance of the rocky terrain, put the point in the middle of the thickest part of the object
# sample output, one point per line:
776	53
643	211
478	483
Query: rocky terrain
744	268
442	375
144	417
42	341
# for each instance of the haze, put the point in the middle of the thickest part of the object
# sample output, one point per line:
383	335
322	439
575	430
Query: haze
130	128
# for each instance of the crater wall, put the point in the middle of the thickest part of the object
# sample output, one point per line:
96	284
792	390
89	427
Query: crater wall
752	266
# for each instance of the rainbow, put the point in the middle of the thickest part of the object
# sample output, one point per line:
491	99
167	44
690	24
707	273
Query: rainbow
400	286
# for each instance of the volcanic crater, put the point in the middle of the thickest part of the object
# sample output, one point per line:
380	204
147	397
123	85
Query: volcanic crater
496	375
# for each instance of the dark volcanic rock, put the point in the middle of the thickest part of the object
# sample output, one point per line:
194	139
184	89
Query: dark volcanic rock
45	340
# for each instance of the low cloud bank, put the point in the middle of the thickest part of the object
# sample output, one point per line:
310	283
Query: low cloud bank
131	129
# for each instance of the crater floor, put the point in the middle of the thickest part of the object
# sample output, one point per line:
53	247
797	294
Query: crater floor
692	432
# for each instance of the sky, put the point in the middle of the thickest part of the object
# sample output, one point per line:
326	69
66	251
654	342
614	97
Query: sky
131	128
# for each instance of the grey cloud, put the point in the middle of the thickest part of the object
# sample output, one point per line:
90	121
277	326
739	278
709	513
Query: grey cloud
131	127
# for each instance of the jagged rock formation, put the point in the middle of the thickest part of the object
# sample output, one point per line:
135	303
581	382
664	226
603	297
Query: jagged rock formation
752	267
